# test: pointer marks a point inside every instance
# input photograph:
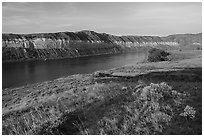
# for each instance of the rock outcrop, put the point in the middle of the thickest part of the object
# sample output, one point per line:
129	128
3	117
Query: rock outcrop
16	47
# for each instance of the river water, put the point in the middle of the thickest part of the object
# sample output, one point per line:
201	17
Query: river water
21	73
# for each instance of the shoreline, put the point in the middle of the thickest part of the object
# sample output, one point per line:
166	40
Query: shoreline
80	59
78	56
144	61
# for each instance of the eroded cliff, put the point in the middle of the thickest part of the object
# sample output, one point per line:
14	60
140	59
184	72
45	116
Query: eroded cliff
18	47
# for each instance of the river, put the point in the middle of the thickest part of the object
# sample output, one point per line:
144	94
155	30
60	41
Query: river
21	73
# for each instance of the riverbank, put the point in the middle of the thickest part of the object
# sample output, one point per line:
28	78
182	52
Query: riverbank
65	53
106	102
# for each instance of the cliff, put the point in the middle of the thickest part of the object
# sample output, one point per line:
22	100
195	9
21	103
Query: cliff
16	47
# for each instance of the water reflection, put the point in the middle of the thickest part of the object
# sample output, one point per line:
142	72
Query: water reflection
21	73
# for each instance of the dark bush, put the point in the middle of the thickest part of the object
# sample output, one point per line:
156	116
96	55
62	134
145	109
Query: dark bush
155	55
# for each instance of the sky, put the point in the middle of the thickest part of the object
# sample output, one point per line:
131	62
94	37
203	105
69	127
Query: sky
117	18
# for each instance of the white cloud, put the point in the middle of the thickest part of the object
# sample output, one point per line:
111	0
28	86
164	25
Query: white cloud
115	18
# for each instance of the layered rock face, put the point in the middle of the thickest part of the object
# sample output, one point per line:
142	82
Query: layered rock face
18	47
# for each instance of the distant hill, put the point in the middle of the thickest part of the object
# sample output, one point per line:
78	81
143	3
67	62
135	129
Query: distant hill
186	40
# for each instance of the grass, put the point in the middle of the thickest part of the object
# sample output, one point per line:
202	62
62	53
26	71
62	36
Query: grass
103	104
176	55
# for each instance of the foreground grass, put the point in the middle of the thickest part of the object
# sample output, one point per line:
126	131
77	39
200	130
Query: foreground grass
110	103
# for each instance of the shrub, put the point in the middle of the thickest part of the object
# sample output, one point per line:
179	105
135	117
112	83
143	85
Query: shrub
148	113
156	55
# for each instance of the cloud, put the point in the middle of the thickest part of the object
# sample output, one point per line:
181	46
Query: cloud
115	18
